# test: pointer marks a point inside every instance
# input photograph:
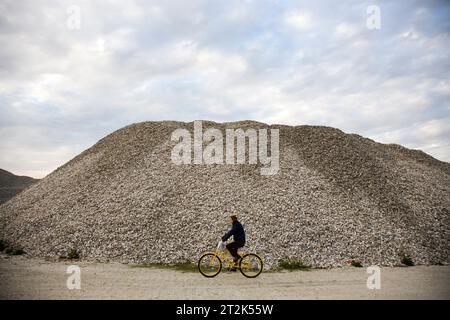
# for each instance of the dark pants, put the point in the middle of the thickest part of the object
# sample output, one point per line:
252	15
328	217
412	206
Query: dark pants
233	248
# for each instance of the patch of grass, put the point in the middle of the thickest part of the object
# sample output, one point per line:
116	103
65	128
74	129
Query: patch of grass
356	264
407	261
292	265
71	255
14	251
9	249
180	266
17	252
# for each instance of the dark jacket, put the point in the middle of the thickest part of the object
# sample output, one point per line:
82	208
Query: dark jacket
237	231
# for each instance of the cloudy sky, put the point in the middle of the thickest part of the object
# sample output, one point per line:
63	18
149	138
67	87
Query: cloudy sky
67	82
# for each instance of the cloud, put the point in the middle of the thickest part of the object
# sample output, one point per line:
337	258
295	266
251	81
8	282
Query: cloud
347	30
299	20
279	62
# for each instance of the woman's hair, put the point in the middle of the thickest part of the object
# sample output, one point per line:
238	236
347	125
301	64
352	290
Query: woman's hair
234	218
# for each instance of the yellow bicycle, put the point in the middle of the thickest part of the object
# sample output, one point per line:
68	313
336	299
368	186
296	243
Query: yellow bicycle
210	263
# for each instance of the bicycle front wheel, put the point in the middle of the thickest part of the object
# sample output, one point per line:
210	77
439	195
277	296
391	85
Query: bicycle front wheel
209	265
251	265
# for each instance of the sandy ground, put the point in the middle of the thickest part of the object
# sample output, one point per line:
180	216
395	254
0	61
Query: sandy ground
25	278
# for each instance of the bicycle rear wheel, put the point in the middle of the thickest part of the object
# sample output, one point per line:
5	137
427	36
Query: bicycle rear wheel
251	265
209	265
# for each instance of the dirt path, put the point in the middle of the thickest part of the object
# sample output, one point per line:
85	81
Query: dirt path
24	278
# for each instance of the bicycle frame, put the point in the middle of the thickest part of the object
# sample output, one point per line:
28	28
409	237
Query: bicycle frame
226	257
